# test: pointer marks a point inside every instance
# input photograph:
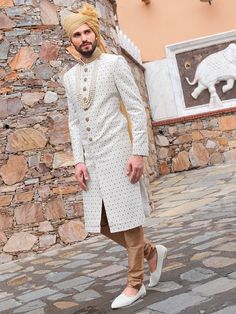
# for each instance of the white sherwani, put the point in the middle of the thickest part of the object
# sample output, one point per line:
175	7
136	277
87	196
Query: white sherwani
100	139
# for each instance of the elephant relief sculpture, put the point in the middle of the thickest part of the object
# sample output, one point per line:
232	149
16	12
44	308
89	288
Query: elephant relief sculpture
219	66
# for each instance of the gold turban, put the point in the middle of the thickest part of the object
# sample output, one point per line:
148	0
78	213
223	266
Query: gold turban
87	15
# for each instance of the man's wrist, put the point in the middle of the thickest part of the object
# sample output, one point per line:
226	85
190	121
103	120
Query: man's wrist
79	163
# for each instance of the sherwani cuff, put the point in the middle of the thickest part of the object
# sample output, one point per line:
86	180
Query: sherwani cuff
140	151
78	160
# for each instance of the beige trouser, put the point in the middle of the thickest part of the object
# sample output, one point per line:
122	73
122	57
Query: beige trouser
137	247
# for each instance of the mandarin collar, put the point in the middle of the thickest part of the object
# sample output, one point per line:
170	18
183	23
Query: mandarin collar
97	53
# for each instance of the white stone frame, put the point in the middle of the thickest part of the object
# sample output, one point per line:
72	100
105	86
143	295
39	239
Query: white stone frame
172	50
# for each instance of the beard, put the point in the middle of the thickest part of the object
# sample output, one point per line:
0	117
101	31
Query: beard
87	53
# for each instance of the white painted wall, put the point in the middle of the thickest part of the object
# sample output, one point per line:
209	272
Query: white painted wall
160	91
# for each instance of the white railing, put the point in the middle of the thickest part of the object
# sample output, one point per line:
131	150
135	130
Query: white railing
129	46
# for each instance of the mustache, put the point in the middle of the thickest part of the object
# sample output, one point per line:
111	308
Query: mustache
85	43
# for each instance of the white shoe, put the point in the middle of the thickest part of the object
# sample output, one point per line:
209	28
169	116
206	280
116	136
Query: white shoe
155	276
124	300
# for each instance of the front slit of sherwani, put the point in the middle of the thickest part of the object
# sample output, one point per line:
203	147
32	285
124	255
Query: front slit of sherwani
137	247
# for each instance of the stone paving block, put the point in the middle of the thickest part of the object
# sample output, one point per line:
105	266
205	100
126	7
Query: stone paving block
119	282
166	286
19	280
73	282
177	303
187	207
215	214
219	261
84	256
200	223
232	275
210	244
30	306
86	296
174	256
100	248
197	274
8	305
146	311
27	269
116	249
83	287
170	204
191	194
172	266
42	261
87	271
38	311
36	294
216	286
123	262
109	270
112	291
5	295
112	277
9	268
227	310
5	258
228	247
42	272
63	305
94	265
76	264
58	276
58	296
7	276
205	237
56	264
110	259
179	248
100	244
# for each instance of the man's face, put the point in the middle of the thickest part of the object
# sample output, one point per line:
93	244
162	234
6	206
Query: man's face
84	40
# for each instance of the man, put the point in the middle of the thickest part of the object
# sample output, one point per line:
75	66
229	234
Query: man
108	166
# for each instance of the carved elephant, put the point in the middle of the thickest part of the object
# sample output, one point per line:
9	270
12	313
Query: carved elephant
219	66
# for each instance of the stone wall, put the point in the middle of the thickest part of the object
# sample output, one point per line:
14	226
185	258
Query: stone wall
40	201
203	141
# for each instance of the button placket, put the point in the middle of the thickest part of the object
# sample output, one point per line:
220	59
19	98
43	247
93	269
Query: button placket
84	82
88	129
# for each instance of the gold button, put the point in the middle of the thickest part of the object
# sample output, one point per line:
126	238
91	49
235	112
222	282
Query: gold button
85	79
84	89
88	129
84	99
85	69
90	139
87	119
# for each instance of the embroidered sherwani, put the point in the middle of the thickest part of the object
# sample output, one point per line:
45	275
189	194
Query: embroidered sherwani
100	139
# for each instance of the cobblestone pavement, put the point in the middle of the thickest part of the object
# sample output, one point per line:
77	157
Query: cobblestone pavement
195	217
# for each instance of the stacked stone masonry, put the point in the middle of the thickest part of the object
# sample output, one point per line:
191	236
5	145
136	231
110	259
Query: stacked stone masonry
202	142
40	201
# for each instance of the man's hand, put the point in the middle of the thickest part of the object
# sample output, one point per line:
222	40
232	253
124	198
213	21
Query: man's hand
81	174
135	168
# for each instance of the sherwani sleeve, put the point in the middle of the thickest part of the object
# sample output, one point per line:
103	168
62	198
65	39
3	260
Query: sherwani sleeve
131	98
74	127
